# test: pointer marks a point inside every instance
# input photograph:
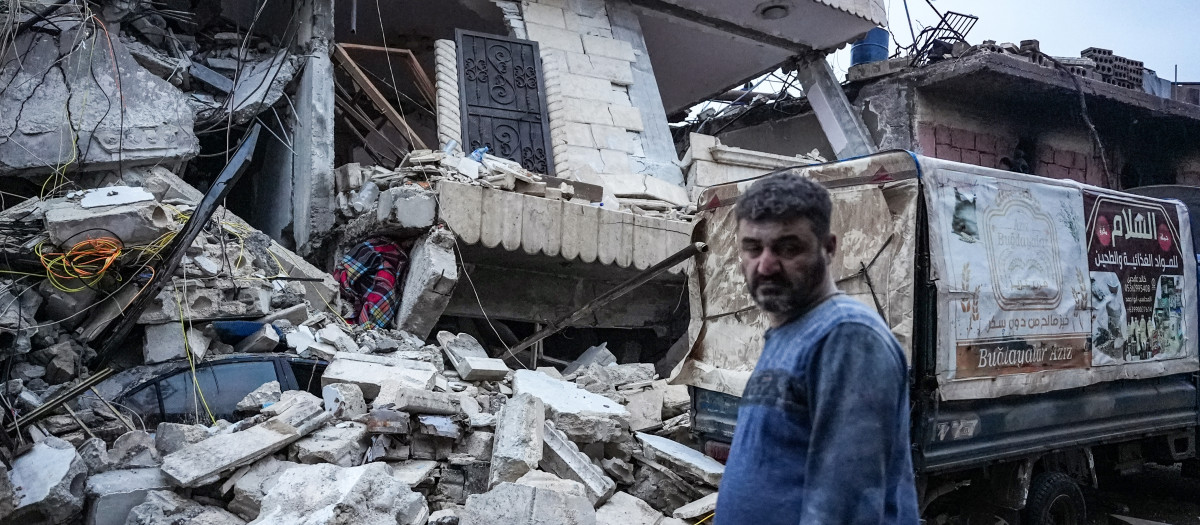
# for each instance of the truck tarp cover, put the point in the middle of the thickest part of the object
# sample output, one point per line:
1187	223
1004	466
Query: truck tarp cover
1041	284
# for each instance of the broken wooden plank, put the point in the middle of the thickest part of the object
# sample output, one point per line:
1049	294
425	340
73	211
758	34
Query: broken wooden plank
420	79
381	102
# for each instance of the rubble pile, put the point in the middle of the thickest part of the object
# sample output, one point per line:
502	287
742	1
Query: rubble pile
399	434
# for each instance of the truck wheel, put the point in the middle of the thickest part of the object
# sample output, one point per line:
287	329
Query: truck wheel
1054	499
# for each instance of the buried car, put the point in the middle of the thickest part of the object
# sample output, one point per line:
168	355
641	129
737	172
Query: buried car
175	393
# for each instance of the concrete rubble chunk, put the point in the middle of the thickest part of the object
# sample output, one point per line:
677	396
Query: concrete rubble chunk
61	369
134	223
305	343
513	504
517	447
438	426
206	461
388	421
328	495
252	486
385	448
661	490
619	470
334	335
263	340
623	509
599	378
645	409
469	358
266	394
170	437
168	508
697	509
676	399
94	453
8	498
563	458
413	472
681	459
49	483
342	444
370	377
165	342
444	517
134	449
546	480
477	444
416	401
596	355
583	416
344	400
432	275
111	495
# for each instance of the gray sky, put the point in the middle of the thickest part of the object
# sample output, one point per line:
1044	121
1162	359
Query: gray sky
1160	33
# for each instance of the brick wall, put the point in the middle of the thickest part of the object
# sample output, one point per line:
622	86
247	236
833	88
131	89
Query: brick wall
593	123
986	149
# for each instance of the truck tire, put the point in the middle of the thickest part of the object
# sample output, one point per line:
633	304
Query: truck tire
1054	499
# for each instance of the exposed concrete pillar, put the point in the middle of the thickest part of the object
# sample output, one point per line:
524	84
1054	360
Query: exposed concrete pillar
313	189
841	124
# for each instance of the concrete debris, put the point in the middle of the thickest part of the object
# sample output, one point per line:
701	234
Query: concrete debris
388	421
469	358
697	509
134	223
582	415
205	461
688	462
514	504
165	342
48	482
413	472
268	393
167	508
328	494
596	355
251	483
645	409
623	509
562	457
344	400
134	449
343	444
432	275
417	401
546	480
112	495
438	426
263	340
520	430
371	376
170	437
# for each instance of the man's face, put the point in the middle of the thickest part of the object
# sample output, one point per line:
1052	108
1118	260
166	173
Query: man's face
785	263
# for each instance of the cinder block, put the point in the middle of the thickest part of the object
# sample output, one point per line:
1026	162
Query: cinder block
941	135
608	47
629	118
970	156
947	152
549	37
543	14
962	139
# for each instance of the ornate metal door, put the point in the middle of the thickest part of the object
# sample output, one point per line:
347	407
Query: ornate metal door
503	99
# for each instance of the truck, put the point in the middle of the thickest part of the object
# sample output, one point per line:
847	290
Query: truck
1050	326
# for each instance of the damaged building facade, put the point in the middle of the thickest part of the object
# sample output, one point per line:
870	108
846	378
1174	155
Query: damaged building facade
330	262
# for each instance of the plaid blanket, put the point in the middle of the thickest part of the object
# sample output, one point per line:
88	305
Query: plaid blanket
368	275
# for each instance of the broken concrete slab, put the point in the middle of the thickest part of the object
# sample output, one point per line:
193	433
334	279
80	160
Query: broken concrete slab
61	369
305	343
661	489
170	437
67	222
265	339
469	358
252	484
437	426
623	509
513	504
338	338
645	409
168	341
685	461
207	460
416	401
49	483
370	377
461	478
563	458
384	448
596	355
297	314
432	274
582	415
477	444
342	444
134	449
344	400
168	508
697	509
546	480
619	470
410	208
413	472
676	399
111	495
268	393
517	447
599	378
328	494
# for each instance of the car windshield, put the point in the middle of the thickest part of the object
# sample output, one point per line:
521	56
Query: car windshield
220	387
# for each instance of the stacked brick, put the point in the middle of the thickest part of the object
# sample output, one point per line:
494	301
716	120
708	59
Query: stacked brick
986	150
1115	69
593	123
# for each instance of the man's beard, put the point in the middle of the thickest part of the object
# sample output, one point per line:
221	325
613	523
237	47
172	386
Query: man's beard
778	296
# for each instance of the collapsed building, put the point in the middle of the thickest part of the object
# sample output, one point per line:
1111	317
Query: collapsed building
415	217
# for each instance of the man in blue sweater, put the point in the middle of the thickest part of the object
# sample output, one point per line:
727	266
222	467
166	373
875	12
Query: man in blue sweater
823	428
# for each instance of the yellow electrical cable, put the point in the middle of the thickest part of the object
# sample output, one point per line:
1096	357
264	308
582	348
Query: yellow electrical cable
191	362
706	518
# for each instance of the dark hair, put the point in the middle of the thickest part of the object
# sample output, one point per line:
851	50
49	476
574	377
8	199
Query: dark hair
783	197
